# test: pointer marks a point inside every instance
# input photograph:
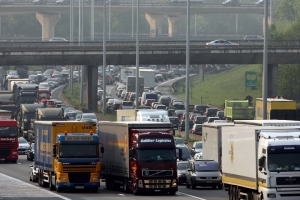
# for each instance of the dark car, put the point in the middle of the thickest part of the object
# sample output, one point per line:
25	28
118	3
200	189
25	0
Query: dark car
211	112
181	125
181	169
165	101
179	113
171	111
196	129
116	104
30	152
220	114
185	152
199	109
174	121
199	119
203	173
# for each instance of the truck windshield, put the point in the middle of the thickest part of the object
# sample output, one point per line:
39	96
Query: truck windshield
154	155
44	95
284	162
27	98
78	151
8	132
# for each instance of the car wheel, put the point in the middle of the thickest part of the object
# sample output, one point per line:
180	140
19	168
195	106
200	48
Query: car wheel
193	185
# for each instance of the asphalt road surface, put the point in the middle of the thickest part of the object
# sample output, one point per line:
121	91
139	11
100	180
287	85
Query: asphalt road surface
15	184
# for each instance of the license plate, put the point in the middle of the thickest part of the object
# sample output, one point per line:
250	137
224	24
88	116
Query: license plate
79	187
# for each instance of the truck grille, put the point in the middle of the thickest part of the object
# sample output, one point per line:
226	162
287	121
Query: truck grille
79	177
79	168
157	173
288	180
8	144
4	152
157	183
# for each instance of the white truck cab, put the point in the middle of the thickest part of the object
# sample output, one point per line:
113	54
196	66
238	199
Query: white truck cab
152	115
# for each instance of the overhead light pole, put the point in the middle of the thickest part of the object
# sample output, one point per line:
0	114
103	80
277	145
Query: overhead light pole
71	40
104	60
187	82
137	56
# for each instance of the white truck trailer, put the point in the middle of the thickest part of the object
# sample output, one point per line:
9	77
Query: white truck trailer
266	123
143	115
149	77
261	162
211	140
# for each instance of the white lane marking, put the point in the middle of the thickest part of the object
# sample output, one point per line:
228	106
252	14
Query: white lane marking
121	195
190	196
32	187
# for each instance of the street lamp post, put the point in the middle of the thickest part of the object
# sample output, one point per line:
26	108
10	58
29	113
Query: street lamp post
109	19
187	82
132	18
104	61
137	57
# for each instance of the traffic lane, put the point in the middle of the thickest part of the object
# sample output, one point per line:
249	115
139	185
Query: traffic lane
21	171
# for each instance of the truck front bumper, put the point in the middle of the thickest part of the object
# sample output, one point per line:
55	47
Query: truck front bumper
280	193
67	185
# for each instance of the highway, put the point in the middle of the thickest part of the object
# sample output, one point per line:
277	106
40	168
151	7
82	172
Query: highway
20	171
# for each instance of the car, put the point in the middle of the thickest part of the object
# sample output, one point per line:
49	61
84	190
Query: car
160	107
44	86
181	125
71	115
231	3
254	37
220	114
185	152
181	170
159	77
109	103
179	113
211	119
196	129
174	121
33	79
203	173
210	112
221	42
198	156
127	105
179	141
33	173
149	102
164	100
91	116
199	119
58	39
148	95
196	148
200	109
116	104
23	146
30	152
171	111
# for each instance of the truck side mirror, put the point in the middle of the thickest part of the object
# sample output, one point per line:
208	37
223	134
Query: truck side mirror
261	162
54	150
220	151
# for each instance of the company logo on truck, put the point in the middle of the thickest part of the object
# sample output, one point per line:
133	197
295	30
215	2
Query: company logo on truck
156	140
231	151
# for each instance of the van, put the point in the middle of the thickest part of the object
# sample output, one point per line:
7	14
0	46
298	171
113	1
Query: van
148	95
152	115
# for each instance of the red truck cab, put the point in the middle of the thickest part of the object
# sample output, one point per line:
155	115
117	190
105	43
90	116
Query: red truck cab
43	95
8	140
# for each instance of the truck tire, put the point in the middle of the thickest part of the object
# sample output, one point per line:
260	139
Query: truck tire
51	186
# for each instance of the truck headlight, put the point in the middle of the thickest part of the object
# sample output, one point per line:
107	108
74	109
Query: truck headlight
174	183
140	184
63	179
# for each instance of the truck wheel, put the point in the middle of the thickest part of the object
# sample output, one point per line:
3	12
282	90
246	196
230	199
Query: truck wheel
193	186
51	186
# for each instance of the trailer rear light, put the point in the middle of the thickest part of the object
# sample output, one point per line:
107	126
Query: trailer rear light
66	133
91	132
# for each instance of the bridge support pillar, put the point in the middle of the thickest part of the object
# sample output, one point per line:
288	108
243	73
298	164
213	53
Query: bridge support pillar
155	22
91	77
272	80
201	73
48	22
173	29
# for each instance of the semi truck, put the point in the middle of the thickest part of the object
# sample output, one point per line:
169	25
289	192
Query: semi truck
149	77
212	141
8	137
143	115
261	162
25	93
25	115
277	109
141	156
12	81
238	109
67	155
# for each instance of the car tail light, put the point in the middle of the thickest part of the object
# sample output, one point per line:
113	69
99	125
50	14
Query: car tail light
194	131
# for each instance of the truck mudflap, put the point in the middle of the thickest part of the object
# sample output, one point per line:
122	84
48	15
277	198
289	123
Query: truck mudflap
68	185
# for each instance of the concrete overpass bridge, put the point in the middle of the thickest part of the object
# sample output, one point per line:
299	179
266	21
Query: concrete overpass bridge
48	15
90	54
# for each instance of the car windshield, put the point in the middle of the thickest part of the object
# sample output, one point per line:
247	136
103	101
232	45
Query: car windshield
22	140
129	103
206	166
78	150
156	155
151	96
90	116
181	166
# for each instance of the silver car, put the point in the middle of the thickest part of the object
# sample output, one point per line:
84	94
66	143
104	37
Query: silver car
23	146
203	173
